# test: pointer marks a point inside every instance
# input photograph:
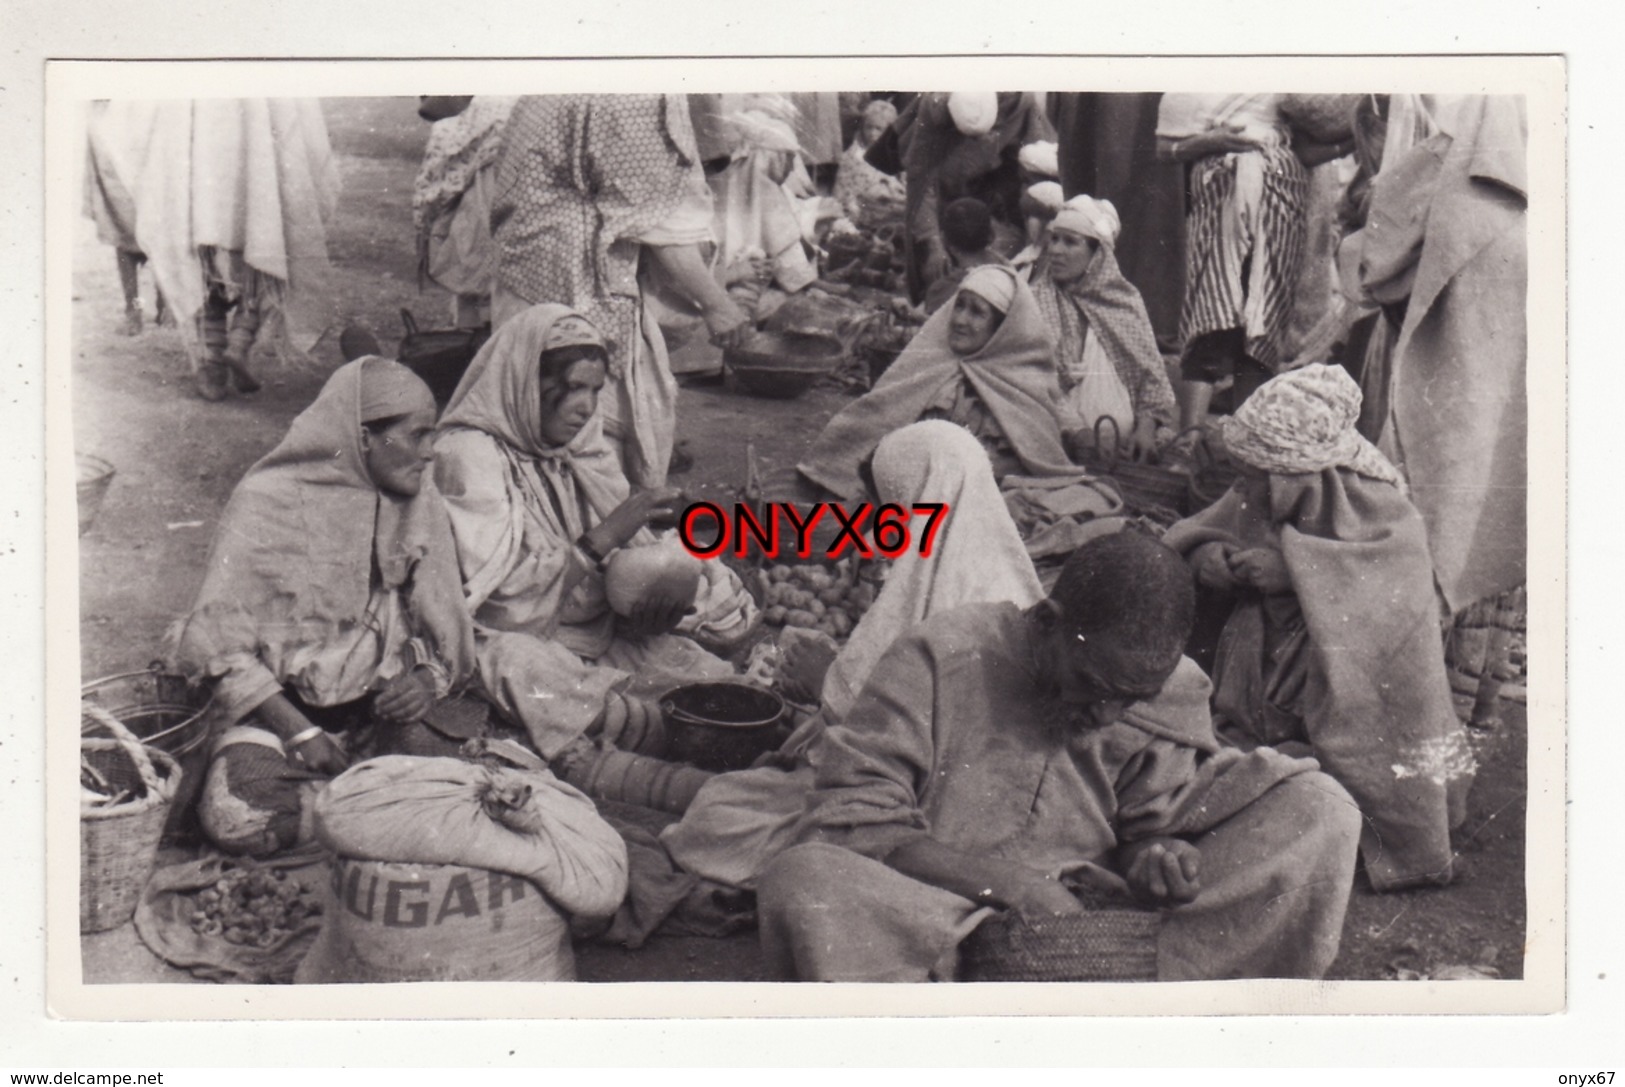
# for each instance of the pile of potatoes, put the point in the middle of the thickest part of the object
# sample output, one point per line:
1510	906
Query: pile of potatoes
815	597
253	906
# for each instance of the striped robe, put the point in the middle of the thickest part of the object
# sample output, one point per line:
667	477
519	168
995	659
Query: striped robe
1217	293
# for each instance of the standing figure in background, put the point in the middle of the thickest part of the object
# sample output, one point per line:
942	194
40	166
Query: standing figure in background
233	198
1105	351
756	217
451	201
868	195
958	145
1244	238
110	159
590	191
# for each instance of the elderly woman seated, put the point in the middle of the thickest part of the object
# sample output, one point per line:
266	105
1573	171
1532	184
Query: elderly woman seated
984	362
330	599
1105	351
538	507
1332	637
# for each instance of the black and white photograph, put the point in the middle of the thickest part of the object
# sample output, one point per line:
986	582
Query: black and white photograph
616	533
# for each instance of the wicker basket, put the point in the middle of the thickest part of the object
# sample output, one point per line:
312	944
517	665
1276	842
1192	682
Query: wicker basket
95	476
1114	941
1212	476
1147	489
118	842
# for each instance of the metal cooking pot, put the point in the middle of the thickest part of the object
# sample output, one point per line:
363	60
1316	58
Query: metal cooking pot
723	725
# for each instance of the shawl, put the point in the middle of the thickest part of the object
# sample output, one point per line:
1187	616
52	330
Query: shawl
459	148
754	214
500	397
1459	422
297	548
1103	300
580	180
977	555
1376	703
254	176
1013	374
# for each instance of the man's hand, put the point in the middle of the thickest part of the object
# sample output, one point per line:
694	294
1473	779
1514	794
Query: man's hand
321	754
1213	565
1037	899
1262	568
406	698
1162	871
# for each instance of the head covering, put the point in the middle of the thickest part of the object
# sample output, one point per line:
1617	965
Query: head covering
389	389
1042	158
294	554
1047	194
1302	422
977	555
880	111
757	131
992	282
973	112
571	330
1092	218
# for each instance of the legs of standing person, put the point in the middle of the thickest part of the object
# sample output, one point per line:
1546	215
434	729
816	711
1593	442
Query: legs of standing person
1276	879
128	262
243	329
227	325
829	914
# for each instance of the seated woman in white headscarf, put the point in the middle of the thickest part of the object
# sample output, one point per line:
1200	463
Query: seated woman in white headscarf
330	599
537	507
869	196
1106	354
1332	636
740	821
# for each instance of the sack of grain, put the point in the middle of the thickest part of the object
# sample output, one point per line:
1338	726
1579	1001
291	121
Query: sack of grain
389	922
526	823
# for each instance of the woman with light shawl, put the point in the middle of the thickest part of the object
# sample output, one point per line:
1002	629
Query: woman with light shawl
1334	634
1105	350
232	199
755	216
868	195
740	821
332	581
587	186
537	506
983	361
451	205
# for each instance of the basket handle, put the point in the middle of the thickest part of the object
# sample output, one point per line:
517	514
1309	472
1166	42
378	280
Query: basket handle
1108	453
131	743
409	322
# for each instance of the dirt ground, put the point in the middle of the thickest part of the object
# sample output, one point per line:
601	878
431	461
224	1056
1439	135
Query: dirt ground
177	459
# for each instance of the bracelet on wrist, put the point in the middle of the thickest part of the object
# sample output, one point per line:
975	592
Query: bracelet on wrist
304	736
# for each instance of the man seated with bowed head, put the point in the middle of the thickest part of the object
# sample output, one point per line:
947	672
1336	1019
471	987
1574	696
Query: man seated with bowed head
999	757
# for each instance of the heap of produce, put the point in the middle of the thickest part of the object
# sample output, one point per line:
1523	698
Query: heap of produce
815	597
256	906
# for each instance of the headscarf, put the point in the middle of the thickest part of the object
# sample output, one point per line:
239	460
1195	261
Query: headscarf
389	389
977	554
755	130
1042	158
1048	195
1103	300
973	112
295	553
1092	218
1302	422
993	283
1013	374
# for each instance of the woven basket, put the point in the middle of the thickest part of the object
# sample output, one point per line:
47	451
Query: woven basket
1213	475
95	476
1146	488
1114	941
118	843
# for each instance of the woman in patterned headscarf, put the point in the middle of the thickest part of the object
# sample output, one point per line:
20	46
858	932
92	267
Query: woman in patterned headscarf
1105	350
587	187
1333	636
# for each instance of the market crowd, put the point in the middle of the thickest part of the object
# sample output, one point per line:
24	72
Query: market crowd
1224	709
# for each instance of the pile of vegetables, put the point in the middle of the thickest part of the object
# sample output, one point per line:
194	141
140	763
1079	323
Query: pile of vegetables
253	905
815	597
